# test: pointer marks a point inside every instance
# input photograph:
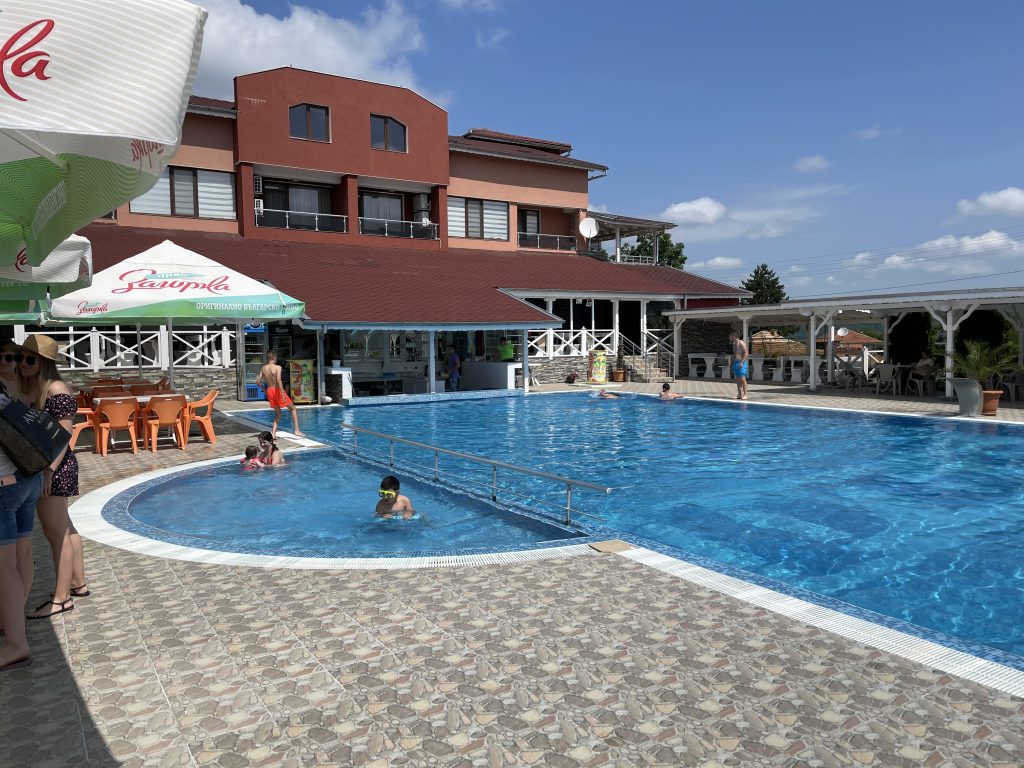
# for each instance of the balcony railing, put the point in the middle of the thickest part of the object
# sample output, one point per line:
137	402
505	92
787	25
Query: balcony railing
413	230
313	222
549	242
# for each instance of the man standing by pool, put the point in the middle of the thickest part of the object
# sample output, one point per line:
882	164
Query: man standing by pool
739	364
270	381
454	369
506	352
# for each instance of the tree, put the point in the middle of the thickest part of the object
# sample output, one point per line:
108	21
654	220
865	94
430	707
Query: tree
669	254
765	285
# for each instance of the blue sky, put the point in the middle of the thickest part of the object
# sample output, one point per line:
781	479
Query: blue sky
850	146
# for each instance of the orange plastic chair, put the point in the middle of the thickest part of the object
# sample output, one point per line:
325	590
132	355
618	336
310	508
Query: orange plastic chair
112	415
101	382
107	391
205	420
144	389
79	427
165	411
162	384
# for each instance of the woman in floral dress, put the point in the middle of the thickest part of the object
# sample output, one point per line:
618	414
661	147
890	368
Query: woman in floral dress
41	383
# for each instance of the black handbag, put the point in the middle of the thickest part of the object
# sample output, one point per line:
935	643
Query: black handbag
30	438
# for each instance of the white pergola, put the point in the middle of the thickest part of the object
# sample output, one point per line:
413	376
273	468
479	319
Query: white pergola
948	308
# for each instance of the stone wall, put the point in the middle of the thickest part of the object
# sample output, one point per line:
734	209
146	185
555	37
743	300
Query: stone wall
194	382
702	336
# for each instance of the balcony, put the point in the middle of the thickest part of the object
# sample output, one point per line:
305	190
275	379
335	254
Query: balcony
309	222
410	230
547	242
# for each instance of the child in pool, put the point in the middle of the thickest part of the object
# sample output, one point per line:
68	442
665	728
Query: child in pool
252	458
391	501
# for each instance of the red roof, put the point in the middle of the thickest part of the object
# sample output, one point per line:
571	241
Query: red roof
375	285
558	147
517	152
200	102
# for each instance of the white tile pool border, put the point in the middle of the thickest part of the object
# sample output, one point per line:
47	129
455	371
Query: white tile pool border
87	514
933	655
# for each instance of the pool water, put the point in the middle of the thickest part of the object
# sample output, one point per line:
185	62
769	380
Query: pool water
322	505
917	519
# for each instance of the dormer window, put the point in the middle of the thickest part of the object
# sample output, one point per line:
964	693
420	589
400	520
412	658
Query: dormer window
387	133
307	121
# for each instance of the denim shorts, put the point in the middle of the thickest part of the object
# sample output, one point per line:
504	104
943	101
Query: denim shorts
18	508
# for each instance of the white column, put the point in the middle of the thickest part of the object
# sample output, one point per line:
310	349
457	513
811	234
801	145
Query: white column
677	342
950	329
225	347
19	335
643	325
551	331
432	361
615	325
162	348
95	355
170	347
618	244
746	333
321	387
593	309
829	350
885	339
812	374
526	366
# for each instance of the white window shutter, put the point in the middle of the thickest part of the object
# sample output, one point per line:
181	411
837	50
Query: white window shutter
495	220
456	217
157	199
216	195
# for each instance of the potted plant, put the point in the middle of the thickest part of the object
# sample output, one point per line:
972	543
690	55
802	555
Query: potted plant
978	367
619	372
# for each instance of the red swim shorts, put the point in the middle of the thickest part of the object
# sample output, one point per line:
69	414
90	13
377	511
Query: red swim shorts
277	398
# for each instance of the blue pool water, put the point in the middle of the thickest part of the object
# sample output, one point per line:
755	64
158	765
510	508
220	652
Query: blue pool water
917	519
321	505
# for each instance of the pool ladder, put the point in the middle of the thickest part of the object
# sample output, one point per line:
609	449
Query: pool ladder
493	463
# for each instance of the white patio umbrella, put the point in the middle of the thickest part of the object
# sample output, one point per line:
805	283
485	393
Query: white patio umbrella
92	97
24	288
168	283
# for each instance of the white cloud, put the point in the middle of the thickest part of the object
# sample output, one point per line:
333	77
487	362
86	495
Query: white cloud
703	210
491	39
799	282
862	259
1005	202
371	46
812	164
875	132
597	207
718	262
796	268
471	5
958	256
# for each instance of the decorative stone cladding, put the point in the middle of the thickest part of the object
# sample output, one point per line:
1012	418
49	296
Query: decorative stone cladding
555	370
194	382
701	336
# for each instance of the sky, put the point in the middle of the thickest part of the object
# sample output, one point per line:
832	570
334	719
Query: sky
853	147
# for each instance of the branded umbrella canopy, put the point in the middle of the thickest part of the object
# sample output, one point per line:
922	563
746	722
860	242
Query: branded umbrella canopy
167	283
92	97
24	288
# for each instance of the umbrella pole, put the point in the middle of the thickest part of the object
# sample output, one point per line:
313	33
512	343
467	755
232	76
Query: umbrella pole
138	347
170	353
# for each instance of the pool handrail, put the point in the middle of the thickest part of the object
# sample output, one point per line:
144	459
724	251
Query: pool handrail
494	464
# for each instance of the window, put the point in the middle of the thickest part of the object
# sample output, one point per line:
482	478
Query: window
306	121
376	209
298	206
189	192
529	221
387	133
480	219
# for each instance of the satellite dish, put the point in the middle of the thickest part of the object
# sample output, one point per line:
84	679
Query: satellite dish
842	332
588	227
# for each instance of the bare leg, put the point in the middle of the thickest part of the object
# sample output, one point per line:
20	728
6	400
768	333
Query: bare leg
12	606
295	419
26	566
53	514
77	559
277	418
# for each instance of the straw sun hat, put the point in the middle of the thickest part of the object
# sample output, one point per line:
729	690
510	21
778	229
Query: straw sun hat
43	346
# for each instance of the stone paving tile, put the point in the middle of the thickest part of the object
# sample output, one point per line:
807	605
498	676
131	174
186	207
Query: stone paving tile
592	661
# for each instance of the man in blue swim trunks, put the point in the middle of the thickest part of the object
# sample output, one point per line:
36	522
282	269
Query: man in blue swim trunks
739	364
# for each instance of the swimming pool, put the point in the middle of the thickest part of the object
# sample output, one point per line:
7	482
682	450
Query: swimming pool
917	519
319	505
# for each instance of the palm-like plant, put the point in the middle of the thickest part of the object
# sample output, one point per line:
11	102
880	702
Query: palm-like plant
983	362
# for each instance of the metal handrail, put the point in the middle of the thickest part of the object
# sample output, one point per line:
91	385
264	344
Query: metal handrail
333	222
542	240
493	463
413	230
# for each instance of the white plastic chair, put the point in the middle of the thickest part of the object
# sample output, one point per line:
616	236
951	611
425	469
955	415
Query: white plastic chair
888	378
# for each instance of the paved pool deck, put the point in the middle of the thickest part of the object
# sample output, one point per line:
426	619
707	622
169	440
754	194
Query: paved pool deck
592	660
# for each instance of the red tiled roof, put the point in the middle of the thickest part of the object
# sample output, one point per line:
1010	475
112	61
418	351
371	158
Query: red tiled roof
361	284
526	141
205	101
517	152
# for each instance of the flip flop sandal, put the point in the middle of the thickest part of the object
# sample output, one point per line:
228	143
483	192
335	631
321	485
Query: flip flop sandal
24	661
64	608
82	591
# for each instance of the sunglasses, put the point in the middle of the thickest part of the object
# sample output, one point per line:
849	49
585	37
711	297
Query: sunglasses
386	494
27	359
12	357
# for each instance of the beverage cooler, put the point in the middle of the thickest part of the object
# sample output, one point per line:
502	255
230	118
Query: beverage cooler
253	345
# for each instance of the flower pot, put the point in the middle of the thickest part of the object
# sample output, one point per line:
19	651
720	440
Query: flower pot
990	401
968	395
618	375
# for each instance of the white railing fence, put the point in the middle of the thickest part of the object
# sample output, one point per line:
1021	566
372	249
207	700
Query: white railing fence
569	343
93	349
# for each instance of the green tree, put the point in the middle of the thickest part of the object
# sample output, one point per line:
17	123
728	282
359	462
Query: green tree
765	285
669	254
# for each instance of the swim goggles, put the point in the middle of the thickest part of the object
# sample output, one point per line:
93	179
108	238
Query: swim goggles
386	494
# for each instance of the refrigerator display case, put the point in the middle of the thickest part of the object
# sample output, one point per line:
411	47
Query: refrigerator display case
254	356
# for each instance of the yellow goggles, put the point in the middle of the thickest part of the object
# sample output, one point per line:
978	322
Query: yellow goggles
386	494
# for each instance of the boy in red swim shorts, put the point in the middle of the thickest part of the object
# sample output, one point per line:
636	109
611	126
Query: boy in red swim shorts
270	381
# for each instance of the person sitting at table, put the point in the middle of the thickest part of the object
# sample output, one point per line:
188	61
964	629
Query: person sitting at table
923	369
